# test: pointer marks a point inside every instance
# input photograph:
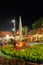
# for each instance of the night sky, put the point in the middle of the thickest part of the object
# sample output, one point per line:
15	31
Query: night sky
29	11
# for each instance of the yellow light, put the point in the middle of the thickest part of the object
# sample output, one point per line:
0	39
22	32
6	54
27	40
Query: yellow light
7	37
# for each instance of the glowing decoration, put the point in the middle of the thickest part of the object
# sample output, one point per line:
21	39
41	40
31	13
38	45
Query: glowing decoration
20	44
20	29
17	33
17	38
11	37
7	37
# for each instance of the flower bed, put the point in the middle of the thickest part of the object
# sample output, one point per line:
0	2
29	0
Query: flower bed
15	61
32	54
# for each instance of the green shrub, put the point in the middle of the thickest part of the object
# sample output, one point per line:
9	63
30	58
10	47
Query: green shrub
33	54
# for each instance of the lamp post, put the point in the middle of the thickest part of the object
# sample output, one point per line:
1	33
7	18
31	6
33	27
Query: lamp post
14	25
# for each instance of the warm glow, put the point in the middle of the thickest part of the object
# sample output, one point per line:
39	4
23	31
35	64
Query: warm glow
17	32
20	44
7	37
11	37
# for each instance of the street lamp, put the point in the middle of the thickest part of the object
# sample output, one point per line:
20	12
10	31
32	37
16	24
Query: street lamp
13	29
14	24
13	21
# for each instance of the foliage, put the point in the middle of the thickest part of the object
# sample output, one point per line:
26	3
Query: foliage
33	54
7	48
25	29
38	23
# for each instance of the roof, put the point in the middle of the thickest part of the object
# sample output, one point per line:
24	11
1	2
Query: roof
3	33
37	30
34	31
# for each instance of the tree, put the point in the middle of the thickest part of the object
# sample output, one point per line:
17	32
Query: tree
37	23
25	30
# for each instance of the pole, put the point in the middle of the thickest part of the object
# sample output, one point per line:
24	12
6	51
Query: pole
14	26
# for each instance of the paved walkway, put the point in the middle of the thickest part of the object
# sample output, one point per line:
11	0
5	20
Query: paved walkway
33	43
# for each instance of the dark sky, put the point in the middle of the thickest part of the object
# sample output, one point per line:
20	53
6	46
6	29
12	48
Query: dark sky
29	11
